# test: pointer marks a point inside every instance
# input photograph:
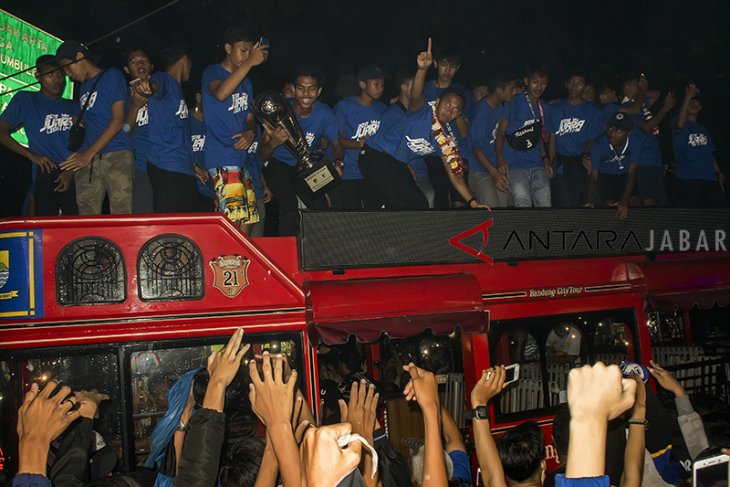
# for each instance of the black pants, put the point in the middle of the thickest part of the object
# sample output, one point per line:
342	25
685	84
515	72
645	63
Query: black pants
569	188
172	192
391	182
353	194
700	193
286	186
52	203
444	191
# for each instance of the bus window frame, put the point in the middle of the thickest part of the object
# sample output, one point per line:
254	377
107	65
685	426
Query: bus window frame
497	331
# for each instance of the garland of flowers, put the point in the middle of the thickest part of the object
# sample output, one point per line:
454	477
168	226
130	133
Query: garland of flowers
447	144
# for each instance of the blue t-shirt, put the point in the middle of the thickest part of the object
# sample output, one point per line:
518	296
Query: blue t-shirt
224	119
319	123
693	149
392	114
431	92
573	126
462	466
483	132
46	122
651	153
616	161
197	137
254	165
409	137
112	88
170	147
354	121
521	113
141	139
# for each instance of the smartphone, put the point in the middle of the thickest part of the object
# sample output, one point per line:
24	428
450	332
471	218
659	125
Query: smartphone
711	472
512	373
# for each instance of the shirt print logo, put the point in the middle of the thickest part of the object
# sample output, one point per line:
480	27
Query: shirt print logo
239	102
92	101
420	146
254	147
56	122
143	116
310	138
198	142
570	126
494	133
697	140
366	129
182	110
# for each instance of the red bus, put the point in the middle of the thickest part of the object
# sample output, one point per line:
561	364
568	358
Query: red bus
129	303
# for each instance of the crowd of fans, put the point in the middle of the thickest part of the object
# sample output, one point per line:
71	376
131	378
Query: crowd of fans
202	441
437	144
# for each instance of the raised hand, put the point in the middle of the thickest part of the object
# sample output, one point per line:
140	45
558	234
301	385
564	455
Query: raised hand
223	366
488	386
425	59
422	387
361	410
323	461
691	91
43	417
89	402
669	101
259	54
666	379
272	399
598	392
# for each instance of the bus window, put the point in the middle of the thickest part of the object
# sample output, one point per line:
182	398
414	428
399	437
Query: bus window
666	329
82	371
547	347
518	346
153	370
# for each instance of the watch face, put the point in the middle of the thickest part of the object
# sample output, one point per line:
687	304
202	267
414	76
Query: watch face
481	412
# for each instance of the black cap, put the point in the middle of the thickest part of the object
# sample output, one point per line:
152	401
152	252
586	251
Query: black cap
68	50
621	121
370	72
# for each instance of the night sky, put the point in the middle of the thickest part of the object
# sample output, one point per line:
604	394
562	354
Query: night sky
673	42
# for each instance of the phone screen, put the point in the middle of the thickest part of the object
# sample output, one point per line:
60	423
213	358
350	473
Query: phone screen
509	375
715	475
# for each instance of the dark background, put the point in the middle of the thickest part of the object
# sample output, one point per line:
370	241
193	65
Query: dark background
673	42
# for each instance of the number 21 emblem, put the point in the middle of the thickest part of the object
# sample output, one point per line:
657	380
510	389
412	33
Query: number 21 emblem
230	274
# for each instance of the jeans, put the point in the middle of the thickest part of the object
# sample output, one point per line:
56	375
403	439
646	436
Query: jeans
530	187
482	187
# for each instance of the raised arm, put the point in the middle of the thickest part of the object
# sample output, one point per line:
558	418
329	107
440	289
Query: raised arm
223	88
424	61
489	385
689	94
635	444
648	125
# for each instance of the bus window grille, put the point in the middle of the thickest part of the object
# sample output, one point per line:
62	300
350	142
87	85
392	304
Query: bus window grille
90	271
170	268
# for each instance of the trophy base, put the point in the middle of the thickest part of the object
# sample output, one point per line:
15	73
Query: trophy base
320	177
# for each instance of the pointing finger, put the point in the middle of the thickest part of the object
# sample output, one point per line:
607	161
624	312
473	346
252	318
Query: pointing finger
429	46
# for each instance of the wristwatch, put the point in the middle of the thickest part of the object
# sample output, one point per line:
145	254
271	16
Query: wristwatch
181	426
479	412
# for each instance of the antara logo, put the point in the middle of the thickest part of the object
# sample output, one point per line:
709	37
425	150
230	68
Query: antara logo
483	229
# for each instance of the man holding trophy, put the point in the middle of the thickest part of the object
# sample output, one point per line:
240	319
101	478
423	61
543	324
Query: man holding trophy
293	131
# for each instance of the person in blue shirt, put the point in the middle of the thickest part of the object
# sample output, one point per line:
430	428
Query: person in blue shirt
487	183
615	159
139	67
651	187
47	118
206	192
317	121
104	164
393	113
447	63
424	131
699	179
227	97
521	152
358	118
573	125
170	158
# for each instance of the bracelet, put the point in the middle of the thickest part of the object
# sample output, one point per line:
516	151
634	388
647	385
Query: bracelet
181	426
643	422
471	200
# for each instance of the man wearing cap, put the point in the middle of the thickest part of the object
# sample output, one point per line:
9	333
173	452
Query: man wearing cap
104	164
615	161
47	118
358	117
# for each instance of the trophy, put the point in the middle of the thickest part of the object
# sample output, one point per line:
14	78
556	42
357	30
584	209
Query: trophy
318	173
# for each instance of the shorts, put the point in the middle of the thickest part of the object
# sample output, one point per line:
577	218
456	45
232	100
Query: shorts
236	198
612	186
651	185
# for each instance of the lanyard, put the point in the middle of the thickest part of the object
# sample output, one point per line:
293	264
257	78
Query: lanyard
619	158
542	114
